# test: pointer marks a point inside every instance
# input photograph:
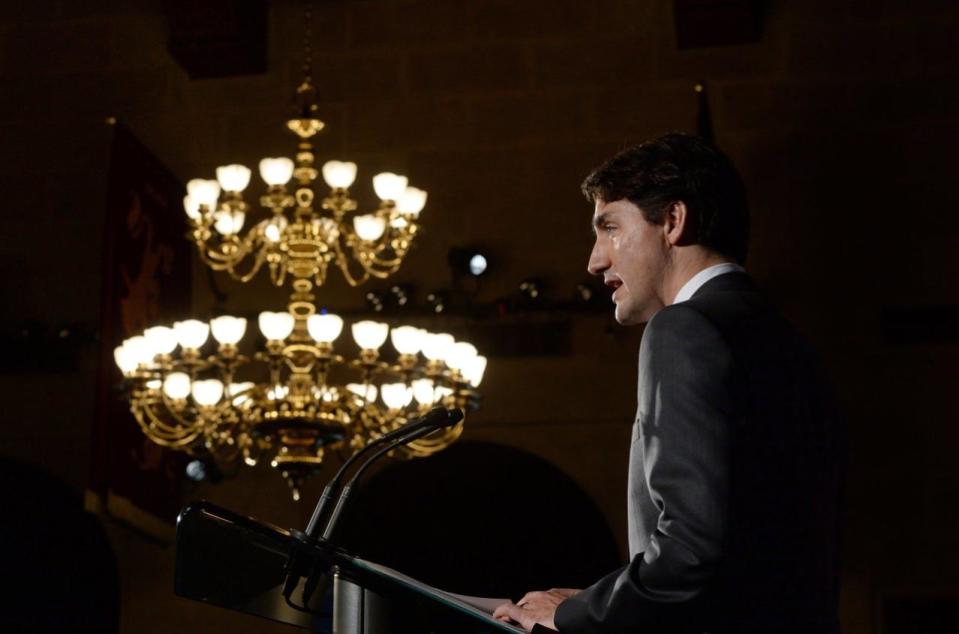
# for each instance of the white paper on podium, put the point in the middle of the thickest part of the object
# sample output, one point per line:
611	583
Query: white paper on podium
479	606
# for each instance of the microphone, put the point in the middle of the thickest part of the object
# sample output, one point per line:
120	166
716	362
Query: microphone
437	418
434	419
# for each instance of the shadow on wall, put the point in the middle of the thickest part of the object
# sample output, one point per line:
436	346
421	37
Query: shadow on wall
59	568
481	519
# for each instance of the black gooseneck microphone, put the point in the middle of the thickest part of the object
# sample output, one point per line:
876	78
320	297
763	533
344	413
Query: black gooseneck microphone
434	419
299	566
426	425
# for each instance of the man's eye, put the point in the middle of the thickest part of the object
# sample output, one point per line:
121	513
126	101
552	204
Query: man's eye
608	229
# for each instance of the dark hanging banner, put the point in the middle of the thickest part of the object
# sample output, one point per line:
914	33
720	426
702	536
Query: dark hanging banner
146	282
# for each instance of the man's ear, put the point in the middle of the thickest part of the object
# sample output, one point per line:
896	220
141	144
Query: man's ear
676	225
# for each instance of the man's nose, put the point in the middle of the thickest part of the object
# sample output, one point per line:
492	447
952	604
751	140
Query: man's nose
598	261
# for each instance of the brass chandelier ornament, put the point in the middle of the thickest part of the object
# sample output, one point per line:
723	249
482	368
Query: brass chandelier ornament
297	397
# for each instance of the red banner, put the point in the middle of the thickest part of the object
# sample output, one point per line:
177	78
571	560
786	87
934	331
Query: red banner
146	282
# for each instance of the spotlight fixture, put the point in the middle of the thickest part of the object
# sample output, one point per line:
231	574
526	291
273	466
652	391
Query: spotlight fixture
472	261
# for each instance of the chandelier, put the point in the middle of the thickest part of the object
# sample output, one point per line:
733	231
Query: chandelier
297	397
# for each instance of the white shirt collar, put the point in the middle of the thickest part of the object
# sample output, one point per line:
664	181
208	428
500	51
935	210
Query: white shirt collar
708	273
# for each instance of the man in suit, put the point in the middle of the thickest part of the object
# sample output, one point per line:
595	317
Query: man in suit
738	448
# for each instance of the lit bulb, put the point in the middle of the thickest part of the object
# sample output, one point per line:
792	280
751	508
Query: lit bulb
204	192
276	171
227	329
435	345
177	385
370	335
125	359
389	186
207	393
474	370
239	393
339	174
273	228
369	227
192	207
423	391
441	393
459	354
276	326
233	178
324	328
162	340
407	339
140	350
228	222
411	201
396	395
277	393
365	392
191	333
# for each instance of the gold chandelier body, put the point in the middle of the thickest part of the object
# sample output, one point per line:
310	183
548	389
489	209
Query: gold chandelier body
303	398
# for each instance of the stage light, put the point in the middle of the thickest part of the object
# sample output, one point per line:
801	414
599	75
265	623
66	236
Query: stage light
478	264
196	470
471	261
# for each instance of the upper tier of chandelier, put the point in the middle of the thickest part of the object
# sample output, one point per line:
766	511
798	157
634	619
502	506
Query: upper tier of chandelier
297	239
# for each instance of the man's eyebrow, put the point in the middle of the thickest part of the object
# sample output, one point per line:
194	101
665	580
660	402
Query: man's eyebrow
599	220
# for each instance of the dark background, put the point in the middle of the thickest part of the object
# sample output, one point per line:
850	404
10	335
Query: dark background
842	116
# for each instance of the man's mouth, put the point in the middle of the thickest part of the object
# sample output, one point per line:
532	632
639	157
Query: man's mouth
615	285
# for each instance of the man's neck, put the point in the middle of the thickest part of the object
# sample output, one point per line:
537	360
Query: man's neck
684	267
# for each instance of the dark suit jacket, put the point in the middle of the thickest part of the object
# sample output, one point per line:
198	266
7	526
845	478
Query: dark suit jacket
735	478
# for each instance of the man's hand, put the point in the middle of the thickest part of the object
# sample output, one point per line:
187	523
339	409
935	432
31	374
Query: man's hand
535	607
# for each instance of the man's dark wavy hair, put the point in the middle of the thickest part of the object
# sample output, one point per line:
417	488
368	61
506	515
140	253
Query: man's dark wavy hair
680	167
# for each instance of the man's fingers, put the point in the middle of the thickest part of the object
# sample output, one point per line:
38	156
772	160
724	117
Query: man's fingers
502	610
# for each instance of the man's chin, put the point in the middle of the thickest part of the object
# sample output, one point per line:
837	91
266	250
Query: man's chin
630	316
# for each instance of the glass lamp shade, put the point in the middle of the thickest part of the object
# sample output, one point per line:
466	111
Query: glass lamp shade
125	359
442	392
339	174
191	333
228	222
473	372
177	385
369	227
161	339
239	393
407	339
227	329
396	395
276	326
411	201
423	391
277	393
389	186
399	223
324	328
459	354
192	207
435	345
370	335
139	349
273	228
233	178
204	192
365	392
207	393
276	171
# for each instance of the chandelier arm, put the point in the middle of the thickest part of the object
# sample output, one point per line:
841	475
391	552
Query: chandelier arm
257	265
156	428
344	267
